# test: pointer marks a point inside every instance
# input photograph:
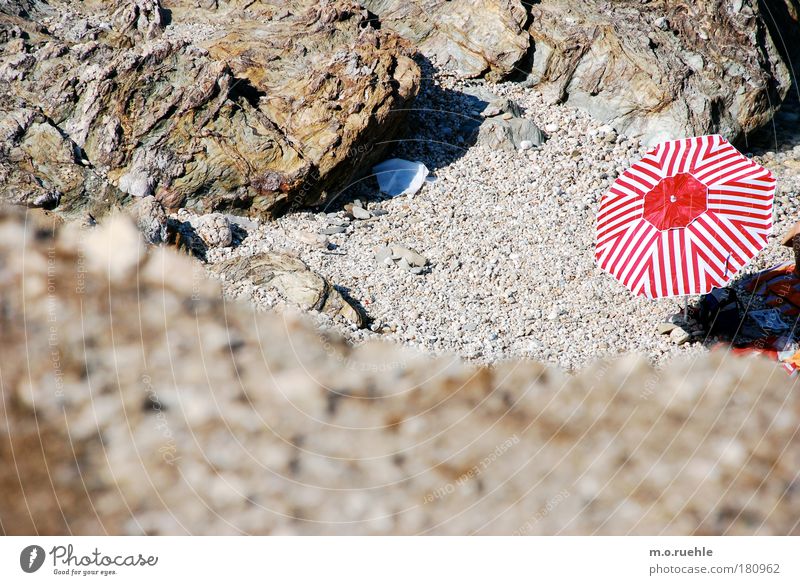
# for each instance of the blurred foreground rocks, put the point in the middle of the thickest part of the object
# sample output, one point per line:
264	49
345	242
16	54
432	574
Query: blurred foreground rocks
254	107
659	69
136	401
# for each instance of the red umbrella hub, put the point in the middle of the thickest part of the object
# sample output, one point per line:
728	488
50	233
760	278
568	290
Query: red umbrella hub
675	202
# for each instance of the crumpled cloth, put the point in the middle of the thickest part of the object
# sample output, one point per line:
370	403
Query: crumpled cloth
781	287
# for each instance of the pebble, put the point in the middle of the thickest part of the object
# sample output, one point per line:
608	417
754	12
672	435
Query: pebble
334	229
384	255
360	213
310	238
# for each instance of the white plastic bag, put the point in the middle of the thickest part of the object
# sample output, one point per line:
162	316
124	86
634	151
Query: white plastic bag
400	177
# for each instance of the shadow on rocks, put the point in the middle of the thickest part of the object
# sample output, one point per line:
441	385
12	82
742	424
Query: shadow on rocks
355	303
183	236
441	126
238	234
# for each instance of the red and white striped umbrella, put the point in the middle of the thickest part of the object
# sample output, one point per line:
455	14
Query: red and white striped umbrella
684	219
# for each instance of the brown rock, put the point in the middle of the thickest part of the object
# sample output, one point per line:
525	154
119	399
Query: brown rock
470	37
294	280
292	103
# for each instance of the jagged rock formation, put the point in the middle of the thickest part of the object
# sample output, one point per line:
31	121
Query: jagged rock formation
659	69
665	69
134	400
470	37
248	106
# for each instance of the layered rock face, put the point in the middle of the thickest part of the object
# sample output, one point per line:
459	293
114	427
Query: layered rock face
249	106
663	69
470	37
134	400
659	69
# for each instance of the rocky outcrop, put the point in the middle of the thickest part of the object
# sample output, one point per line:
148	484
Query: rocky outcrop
663	69
470	37
136	401
658	69
247	106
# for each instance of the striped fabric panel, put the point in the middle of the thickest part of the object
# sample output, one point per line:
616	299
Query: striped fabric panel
707	252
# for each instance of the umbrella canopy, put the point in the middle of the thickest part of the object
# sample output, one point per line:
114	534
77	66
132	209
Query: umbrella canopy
684	219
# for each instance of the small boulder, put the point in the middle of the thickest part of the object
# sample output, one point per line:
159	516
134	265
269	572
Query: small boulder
360	212
509	134
409	255
294	281
679	336
214	229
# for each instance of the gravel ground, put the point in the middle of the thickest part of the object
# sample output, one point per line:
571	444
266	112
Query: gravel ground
509	237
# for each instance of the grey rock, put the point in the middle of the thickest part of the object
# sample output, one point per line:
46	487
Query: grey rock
664	328
498	133
293	280
679	335
335	229
214	229
243	222
408	255
501	106
360	213
150	218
